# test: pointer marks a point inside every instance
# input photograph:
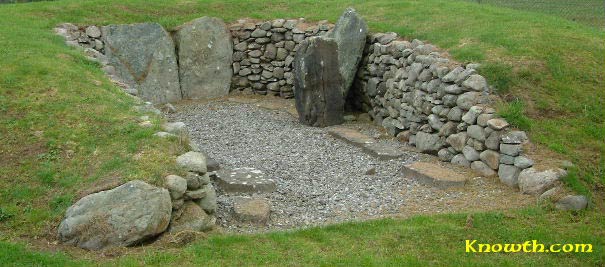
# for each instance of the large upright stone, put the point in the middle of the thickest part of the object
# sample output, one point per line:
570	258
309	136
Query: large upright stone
350	33
123	216
143	56
205	51
318	83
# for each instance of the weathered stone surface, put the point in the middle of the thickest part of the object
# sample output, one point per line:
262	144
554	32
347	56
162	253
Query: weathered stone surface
244	180
429	143
514	137
491	158
457	141
208	203
470	153
571	202
476	132
350	34
511	150
123	216
192	218
205	57
523	162
460	160
318	83
509	175
176	185
433	174
93	31
534	182
252	210
174	127
467	100
471	116
350	135
497	124
382	151
482	168
192	161
193	180
493	141
475	82
445	155
143	56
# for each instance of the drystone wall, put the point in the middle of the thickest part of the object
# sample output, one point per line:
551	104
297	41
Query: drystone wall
264	52
442	107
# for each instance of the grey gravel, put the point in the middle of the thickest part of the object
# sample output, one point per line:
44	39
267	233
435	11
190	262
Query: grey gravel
319	179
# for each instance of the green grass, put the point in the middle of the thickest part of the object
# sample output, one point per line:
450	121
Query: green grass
65	127
589	12
418	241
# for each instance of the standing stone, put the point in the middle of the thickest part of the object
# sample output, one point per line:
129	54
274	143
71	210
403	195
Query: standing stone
123	216
144	58
350	34
205	50
318	83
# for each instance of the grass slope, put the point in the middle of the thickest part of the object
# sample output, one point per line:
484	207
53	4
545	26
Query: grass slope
64	127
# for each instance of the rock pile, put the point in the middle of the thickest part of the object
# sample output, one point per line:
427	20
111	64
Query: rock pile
442	108
264	52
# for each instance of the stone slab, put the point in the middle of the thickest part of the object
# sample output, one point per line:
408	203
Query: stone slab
350	136
252	210
244	180
433	174
383	151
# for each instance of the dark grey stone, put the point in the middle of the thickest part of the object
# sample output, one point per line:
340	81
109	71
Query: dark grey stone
350	34
318	83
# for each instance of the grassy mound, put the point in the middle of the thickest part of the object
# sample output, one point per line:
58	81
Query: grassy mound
64	127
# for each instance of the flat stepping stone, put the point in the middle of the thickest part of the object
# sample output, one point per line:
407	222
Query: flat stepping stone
383	151
433	174
350	136
244	180
251	210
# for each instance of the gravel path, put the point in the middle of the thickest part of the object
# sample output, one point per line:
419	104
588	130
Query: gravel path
320	179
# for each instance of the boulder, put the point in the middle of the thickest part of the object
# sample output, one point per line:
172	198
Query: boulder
192	218
192	161
350	34
509	175
144	58
460	160
205	56
482	168
126	215
428	143
572	202
457	141
208	203
470	153
252	210
535	182
176	185
491	158
318	83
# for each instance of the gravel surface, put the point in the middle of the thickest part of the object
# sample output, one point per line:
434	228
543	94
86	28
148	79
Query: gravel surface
320	179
